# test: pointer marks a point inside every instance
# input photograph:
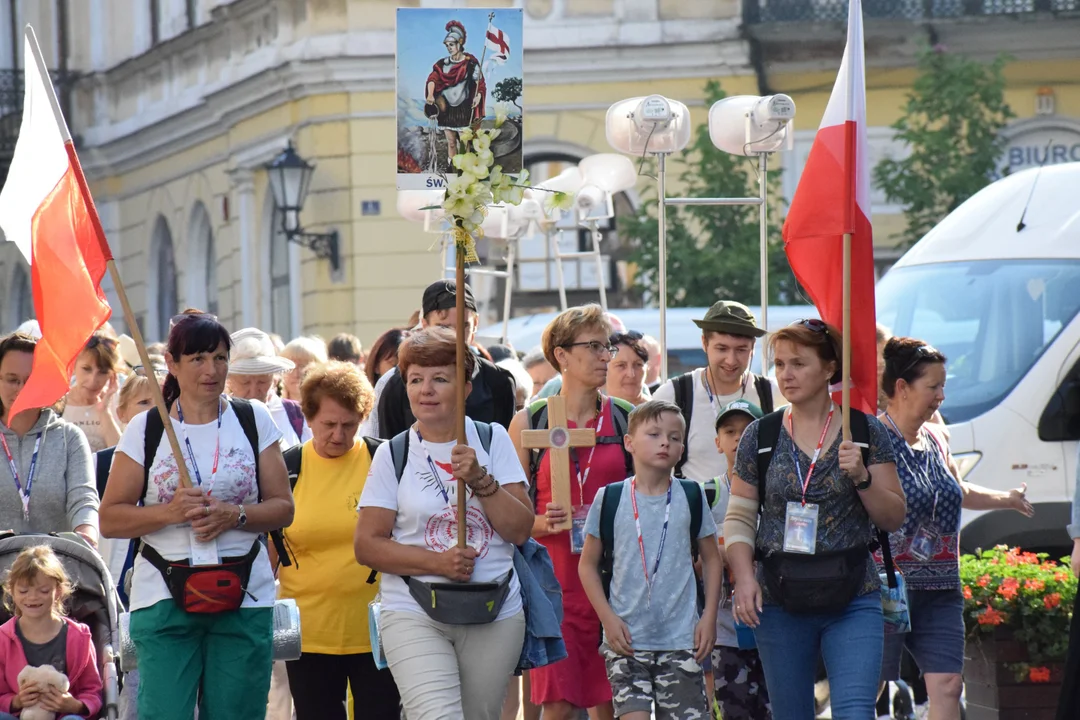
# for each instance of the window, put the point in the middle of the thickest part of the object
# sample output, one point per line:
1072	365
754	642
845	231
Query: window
201	267
190	11
155	21
22	296
162	292
992	319
280	284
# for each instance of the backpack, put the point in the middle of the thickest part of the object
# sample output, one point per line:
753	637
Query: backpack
684	398
296	417
245	414
610	506
538	418
293	460
769	434
399	452
102	468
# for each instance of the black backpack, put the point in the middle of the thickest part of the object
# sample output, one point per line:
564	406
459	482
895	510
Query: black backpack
684	398
620	416
769	434
610	506
294	458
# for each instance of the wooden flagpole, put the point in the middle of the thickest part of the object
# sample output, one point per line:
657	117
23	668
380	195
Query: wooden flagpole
845	396
114	272
462	438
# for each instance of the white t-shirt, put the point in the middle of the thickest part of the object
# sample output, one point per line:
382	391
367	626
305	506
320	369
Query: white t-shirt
703	460
281	419
425	519
235	483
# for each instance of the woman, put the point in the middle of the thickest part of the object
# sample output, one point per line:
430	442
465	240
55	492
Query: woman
346	348
254	370
626	371
407	530
455	89
927	548
816	590
576	342
302	351
49	485
382	357
220	650
89	405
1069	702
329	587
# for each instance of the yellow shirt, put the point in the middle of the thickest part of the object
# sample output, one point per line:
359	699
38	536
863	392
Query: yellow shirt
328	585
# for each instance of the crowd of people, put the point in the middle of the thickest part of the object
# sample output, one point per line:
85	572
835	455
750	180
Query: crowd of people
716	550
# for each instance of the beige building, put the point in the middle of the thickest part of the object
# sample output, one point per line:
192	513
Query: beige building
178	106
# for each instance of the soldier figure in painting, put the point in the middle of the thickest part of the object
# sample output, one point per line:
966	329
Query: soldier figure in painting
455	89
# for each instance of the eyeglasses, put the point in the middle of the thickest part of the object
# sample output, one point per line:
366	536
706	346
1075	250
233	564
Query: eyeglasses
140	370
813	324
921	353
597	348
184	317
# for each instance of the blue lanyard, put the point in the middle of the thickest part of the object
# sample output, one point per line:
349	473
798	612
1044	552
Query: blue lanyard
924	478
24	495
434	471
191	451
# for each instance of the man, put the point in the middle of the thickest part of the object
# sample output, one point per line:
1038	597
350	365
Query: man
728	332
493	389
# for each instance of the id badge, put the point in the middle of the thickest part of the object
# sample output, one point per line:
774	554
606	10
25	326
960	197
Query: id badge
800	528
577	529
204	553
924	543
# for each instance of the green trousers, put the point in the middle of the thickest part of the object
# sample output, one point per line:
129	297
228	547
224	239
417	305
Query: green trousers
222	661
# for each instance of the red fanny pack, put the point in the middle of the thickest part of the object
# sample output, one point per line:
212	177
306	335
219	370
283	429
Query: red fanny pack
205	588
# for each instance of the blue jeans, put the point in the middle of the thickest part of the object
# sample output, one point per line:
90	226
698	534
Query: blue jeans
851	643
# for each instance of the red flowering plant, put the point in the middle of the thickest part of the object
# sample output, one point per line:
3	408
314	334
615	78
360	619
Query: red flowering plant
1027	593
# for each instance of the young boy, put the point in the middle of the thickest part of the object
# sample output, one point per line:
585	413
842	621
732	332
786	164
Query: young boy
654	638
739	677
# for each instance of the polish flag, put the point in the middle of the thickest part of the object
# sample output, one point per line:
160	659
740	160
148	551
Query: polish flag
47	211
833	198
498	44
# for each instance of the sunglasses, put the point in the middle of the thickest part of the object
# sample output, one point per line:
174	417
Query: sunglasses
920	354
813	324
100	340
184	317
630	336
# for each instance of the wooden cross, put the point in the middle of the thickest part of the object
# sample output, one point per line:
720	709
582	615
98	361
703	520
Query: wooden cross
558	439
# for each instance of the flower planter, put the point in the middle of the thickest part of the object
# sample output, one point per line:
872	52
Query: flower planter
991	685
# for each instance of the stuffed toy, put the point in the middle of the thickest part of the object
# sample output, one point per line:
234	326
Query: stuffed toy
44	677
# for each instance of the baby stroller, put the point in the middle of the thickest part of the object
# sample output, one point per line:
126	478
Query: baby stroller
93	600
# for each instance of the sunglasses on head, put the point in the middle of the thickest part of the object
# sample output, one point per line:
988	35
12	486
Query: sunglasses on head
919	354
100	340
813	324
185	317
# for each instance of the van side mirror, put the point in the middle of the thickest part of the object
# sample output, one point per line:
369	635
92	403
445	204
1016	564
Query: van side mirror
1060	420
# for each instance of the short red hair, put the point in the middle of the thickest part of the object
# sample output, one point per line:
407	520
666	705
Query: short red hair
432	347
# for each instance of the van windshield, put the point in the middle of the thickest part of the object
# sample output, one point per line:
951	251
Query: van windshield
991	318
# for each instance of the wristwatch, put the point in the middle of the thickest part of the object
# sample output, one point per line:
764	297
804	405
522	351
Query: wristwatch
865	484
241	519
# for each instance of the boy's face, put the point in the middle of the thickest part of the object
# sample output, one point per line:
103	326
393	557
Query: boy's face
658	443
729	434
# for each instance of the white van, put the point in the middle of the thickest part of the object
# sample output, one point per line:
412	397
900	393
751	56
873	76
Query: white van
996	288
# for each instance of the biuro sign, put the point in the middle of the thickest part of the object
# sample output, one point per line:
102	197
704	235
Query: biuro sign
1027	155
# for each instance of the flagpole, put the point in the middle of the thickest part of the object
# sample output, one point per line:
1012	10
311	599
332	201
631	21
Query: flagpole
850	168
845	397
462	438
114	273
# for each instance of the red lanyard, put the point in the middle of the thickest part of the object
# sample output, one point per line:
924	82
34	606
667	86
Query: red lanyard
649	580
191	452
583	477
817	451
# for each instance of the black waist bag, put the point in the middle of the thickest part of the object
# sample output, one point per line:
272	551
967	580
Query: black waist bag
205	589
471	603
815	584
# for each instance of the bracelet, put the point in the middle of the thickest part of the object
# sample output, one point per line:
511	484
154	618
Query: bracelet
493	490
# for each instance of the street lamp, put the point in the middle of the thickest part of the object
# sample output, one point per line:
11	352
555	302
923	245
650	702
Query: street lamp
290	178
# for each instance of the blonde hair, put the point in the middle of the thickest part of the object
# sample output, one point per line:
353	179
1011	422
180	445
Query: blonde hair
134	386
304	350
568	324
30	564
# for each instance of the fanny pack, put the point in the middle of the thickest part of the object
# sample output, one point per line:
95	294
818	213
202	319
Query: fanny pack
815	584
205	588
471	603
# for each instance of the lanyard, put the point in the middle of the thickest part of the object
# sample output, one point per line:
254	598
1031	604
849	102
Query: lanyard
817	450
910	463
24	494
649	580
583	478
191	451
713	397
435	473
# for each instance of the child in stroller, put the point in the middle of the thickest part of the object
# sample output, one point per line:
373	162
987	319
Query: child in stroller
44	574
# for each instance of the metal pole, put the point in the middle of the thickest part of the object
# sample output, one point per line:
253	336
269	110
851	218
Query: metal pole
559	270
661	177
764	221
511	257
599	265
714	201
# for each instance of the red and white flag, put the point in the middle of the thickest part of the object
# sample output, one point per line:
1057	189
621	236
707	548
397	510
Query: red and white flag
47	211
498	44
833	198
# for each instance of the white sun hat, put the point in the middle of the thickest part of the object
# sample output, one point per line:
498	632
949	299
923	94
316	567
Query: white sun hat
253	353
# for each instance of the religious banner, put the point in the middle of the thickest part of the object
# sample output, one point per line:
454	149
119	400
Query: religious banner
458	71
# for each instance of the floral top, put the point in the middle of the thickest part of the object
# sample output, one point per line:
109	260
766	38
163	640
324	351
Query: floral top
843	522
934	498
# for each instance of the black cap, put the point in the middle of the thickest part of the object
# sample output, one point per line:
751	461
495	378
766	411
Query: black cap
442	295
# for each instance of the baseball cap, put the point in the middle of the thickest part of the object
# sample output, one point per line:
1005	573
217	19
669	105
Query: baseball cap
442	295
744	407
728	316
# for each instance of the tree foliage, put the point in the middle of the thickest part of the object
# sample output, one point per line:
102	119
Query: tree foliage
713	252
508	90
952	126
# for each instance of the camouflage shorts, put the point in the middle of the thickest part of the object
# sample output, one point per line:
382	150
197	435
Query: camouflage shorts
671	679
740	684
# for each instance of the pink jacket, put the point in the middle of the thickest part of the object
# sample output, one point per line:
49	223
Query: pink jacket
83	673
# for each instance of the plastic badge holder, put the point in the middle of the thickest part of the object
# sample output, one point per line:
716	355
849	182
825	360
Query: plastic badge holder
894	605
374	609
745	636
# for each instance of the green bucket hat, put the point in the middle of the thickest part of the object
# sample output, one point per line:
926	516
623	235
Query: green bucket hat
730	317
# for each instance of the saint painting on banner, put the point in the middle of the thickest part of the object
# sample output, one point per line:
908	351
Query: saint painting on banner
458	70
